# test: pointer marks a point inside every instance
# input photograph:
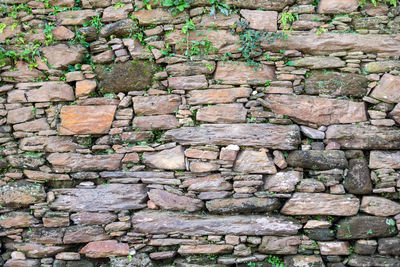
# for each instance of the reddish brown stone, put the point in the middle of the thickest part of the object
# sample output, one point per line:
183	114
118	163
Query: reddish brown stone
209	183
44	176
334	248
169	159
222	113
112	13
93	218
158	16
104	249
156	105
249	161
395	113
17	220
20	115
21	194
240	73
200	154
317	110
85	87
215	96
198	167
22	73
86	119
51	91
62	33
32	126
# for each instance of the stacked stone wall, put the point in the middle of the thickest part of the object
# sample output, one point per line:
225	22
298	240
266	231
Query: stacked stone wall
199	133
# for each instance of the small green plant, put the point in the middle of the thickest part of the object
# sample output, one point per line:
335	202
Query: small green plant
375	2
391	223
218	5
2	27
321	30
95	22
119	5
251	40
287	18
275	261
177	6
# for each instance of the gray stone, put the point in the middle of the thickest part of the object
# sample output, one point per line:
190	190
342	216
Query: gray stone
358	179
259	135
384	159
312	133
110	197
176	223
170	201
363	227
318	159
169	159
243	205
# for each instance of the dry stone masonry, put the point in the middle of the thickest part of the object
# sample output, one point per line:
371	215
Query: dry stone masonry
194	133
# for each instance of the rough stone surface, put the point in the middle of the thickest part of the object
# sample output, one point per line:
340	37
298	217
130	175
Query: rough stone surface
73	162
318	159
319	204
379	206
271	136
384	159
388	89
102	198
243	205
358	179
244	74
249	161
171	159
169	201
222	113
86	119
361	227
320	111
162	223
337	6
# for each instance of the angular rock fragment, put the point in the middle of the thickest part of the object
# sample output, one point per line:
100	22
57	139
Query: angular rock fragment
222	113
243	205
358	180
169	159
379	206
388	89
337	6
239	73
21	194
282	182
217	96
158	122
105	249
384	159
318	159
249	161
279	245
363	227
156	105
188	82
205	249
73	162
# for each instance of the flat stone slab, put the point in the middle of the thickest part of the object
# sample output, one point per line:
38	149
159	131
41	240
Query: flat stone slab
73	162
283	137
384	159
321	204
86	119
364	136
180	223
110	197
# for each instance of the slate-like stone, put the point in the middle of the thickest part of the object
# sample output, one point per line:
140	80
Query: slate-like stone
388	89
205	249
188	82
321	204
93	218
105	249
277	5
74	162
389	246
217	96
334	248
273	136
48	144
336	83
250	161
86	119
279	245
243	205
20	115
157	122
156	105
379	206
317	110
119	28
261	20
318	62
170	201
83	234
317	159
337	6
132	76
358	260
304	261
51	91
191	68
364	136
384	159
21	194
209	183
395	113
240	73
169	159
112	197
76	17
222	113
173	223
328	43
358	179
62	55
381	66
282	182
159	16
17	219
364	227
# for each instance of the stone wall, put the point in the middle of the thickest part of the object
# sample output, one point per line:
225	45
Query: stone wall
199	133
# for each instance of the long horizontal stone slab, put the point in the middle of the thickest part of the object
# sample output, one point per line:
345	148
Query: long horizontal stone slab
321	204
283	137
180	223
73	162
364	136
112	197
327	43
253	4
